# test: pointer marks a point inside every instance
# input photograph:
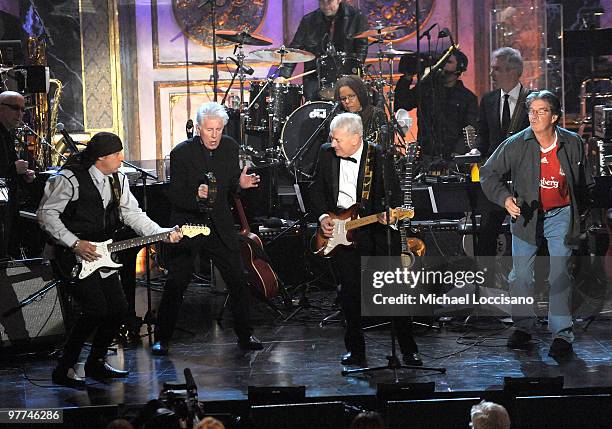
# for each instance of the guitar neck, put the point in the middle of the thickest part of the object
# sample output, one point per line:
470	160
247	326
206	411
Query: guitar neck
362	221
135	242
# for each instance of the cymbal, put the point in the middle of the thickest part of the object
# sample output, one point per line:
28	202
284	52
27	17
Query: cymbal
391	53
244	38
379	30
288	55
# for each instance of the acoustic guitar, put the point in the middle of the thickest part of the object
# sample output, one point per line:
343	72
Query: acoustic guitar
261	276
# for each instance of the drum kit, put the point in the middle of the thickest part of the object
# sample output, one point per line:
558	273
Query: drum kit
278	109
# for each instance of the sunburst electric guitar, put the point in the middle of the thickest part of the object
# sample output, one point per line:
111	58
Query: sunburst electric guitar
72	266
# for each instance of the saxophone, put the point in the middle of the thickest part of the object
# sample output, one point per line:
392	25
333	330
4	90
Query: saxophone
60	145
36	47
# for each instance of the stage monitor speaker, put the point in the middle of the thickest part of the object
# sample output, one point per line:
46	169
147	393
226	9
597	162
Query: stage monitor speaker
447	413
399	391
37	324
533	385
267	395
562	412
320	415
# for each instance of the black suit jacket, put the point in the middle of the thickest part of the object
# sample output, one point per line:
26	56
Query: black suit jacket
324	189
189	163
489	135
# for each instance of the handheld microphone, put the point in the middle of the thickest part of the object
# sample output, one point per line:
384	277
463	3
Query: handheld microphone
245	68
519	202
69	141
189	128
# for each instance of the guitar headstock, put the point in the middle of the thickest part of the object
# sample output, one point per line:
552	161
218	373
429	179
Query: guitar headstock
413	151
191	231
469	135
402	213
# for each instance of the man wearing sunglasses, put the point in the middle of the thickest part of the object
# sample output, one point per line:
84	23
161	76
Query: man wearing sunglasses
551	180
13	170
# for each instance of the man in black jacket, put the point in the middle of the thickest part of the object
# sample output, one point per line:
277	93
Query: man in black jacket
193	201
338	184
333	24
502	114
446	108
551	180
14	171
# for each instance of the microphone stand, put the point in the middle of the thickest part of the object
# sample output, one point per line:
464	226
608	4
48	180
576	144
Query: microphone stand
148	316
393	361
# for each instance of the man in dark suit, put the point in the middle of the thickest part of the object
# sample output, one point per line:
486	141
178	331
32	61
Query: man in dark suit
193	201
502	114
14	170
329	28
338	184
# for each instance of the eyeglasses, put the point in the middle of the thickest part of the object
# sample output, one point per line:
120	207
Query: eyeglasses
348	97
14	107
539	112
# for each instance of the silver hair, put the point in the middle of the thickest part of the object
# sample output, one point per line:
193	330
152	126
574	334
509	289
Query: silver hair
511	57
350	122
489	415
212	109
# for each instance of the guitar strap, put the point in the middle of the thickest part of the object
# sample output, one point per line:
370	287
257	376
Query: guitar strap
115	187
367	175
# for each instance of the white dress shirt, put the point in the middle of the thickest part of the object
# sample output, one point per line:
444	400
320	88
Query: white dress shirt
347	181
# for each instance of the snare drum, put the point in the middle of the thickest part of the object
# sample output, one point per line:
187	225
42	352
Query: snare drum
331	67
300	125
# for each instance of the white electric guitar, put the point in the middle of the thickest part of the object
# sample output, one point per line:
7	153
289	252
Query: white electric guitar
73	266
346	221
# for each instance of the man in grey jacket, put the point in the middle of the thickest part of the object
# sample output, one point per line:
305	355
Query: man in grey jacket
550	187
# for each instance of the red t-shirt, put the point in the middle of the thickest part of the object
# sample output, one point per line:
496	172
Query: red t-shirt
553	184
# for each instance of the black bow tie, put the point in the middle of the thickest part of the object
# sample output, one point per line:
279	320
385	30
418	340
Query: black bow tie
348	158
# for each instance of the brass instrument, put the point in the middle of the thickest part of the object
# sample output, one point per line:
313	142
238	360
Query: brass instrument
37	56
60	145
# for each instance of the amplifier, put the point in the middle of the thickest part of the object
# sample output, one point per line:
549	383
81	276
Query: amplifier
602	122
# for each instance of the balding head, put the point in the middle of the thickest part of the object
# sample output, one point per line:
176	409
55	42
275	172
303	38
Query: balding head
12	106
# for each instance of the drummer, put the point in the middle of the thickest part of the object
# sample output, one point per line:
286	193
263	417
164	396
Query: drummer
327	30
354	97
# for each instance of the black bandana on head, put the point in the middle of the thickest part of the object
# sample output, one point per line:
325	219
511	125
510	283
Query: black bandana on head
103	144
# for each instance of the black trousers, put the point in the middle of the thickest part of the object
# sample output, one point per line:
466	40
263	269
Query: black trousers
490	228
347	264
103	309
180	264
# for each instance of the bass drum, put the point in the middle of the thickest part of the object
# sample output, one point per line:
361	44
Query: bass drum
300	125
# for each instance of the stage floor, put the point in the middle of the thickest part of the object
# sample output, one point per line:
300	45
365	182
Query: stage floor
301	352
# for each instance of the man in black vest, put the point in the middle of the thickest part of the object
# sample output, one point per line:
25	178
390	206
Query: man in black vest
84	203
338	184
502	114
193	201
330	27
